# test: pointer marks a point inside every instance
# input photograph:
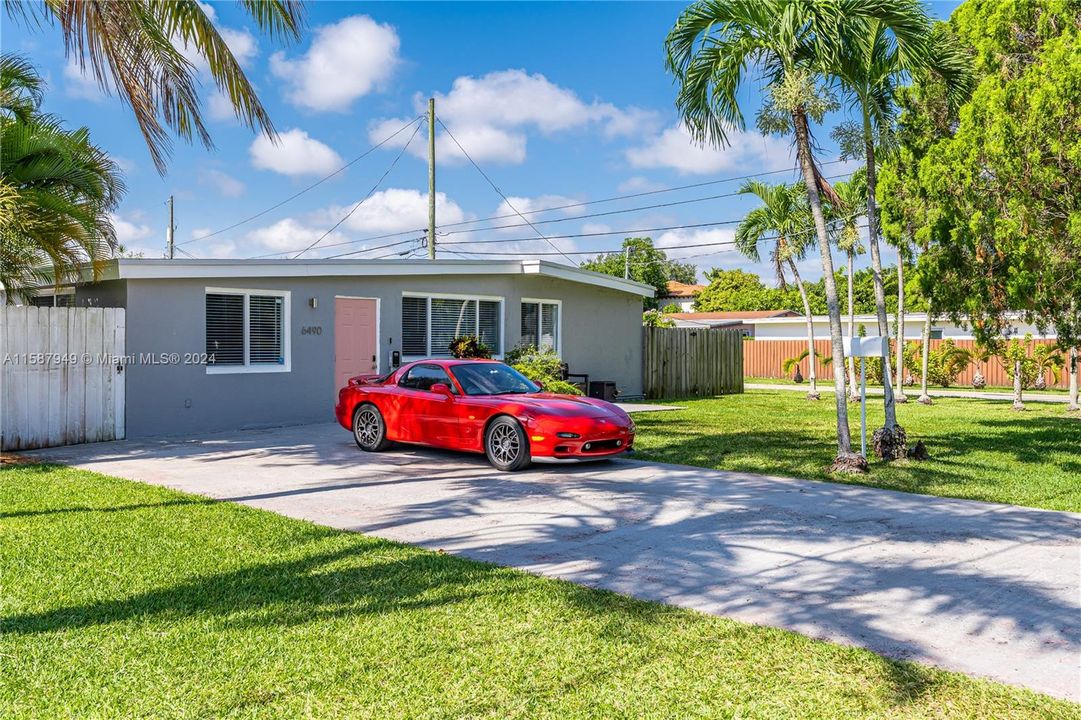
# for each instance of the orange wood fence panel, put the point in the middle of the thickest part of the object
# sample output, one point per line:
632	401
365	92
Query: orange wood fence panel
763	359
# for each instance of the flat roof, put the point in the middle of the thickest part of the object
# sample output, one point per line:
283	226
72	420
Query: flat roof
164	269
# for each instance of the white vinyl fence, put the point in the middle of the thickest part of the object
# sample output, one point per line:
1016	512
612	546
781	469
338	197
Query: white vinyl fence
61	376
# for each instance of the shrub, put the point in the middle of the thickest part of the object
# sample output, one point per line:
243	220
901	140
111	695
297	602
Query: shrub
469	347
542	366
655	318
944	363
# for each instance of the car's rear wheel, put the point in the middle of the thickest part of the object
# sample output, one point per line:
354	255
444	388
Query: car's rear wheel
506	445
369	428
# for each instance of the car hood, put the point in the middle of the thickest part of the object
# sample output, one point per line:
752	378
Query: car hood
570	406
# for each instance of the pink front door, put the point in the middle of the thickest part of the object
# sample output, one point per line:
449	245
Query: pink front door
356	342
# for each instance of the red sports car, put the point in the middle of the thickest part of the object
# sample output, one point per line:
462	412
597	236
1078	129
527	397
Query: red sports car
480	406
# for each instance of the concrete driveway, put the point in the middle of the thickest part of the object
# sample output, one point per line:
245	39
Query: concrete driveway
987	589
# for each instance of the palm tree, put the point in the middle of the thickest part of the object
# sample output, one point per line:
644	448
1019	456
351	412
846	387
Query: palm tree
56	189
135	47
877	54
782	218
853	194
790	42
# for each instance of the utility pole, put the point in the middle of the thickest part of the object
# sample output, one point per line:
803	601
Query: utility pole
431	178
169	232
627	262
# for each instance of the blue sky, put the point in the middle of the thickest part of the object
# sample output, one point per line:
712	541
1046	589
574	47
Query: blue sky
559	103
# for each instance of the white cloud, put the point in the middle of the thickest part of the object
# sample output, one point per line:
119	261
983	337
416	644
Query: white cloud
395	209
288	234
224	183
346	61
590	228
638	184
538	204
296	153
220	107
80	83
674	148
129	230
491	114
241	43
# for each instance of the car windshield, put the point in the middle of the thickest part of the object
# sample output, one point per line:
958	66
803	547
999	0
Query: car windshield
492	379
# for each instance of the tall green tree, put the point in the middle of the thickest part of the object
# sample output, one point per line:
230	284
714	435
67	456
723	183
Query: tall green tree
135	47
793	44
782	220
1006	222
640	261
57	189
876	56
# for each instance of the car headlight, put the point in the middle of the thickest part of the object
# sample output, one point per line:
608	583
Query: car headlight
567	435
633	428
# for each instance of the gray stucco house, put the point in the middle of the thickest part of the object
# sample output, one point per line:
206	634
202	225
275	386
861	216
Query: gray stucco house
280	336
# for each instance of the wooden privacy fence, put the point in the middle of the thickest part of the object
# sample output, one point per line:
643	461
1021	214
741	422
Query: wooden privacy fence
692	362
61	376
763	358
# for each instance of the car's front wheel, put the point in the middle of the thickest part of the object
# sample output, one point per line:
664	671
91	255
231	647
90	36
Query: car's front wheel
369	428
506	445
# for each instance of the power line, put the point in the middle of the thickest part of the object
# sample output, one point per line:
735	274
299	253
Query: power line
500	192
562	207
315	184
370	193
630	196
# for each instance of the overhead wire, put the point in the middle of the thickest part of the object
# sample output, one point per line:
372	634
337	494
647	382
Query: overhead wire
363	199
500	192
314	185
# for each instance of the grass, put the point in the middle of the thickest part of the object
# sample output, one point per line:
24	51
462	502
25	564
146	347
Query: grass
126	600
980	449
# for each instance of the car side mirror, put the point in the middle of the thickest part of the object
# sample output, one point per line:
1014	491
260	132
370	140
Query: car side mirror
442	389
539	384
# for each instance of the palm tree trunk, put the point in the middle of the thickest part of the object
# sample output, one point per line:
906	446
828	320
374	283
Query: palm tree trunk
853	394
846	460
1018	404
812	360
1074	368
900	396
925	397
876	268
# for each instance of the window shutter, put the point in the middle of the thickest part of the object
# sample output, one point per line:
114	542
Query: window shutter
415	326
265	330
529	324
450	319
490	325
224	329
549	326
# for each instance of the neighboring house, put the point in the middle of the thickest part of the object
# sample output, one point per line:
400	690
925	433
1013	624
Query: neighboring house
741	320
281	336
680	295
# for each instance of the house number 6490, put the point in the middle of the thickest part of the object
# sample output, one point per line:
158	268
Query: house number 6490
311	330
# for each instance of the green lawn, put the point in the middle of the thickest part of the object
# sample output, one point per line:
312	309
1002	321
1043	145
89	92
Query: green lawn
124	600
980	449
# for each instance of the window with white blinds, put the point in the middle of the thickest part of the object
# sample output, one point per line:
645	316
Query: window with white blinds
246	330
431	322
541	324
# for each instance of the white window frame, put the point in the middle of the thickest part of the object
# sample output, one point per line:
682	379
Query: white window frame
559	321
453	296
247	367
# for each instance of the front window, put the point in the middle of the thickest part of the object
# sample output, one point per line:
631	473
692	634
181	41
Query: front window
540	324
246	330
492	379
431	322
